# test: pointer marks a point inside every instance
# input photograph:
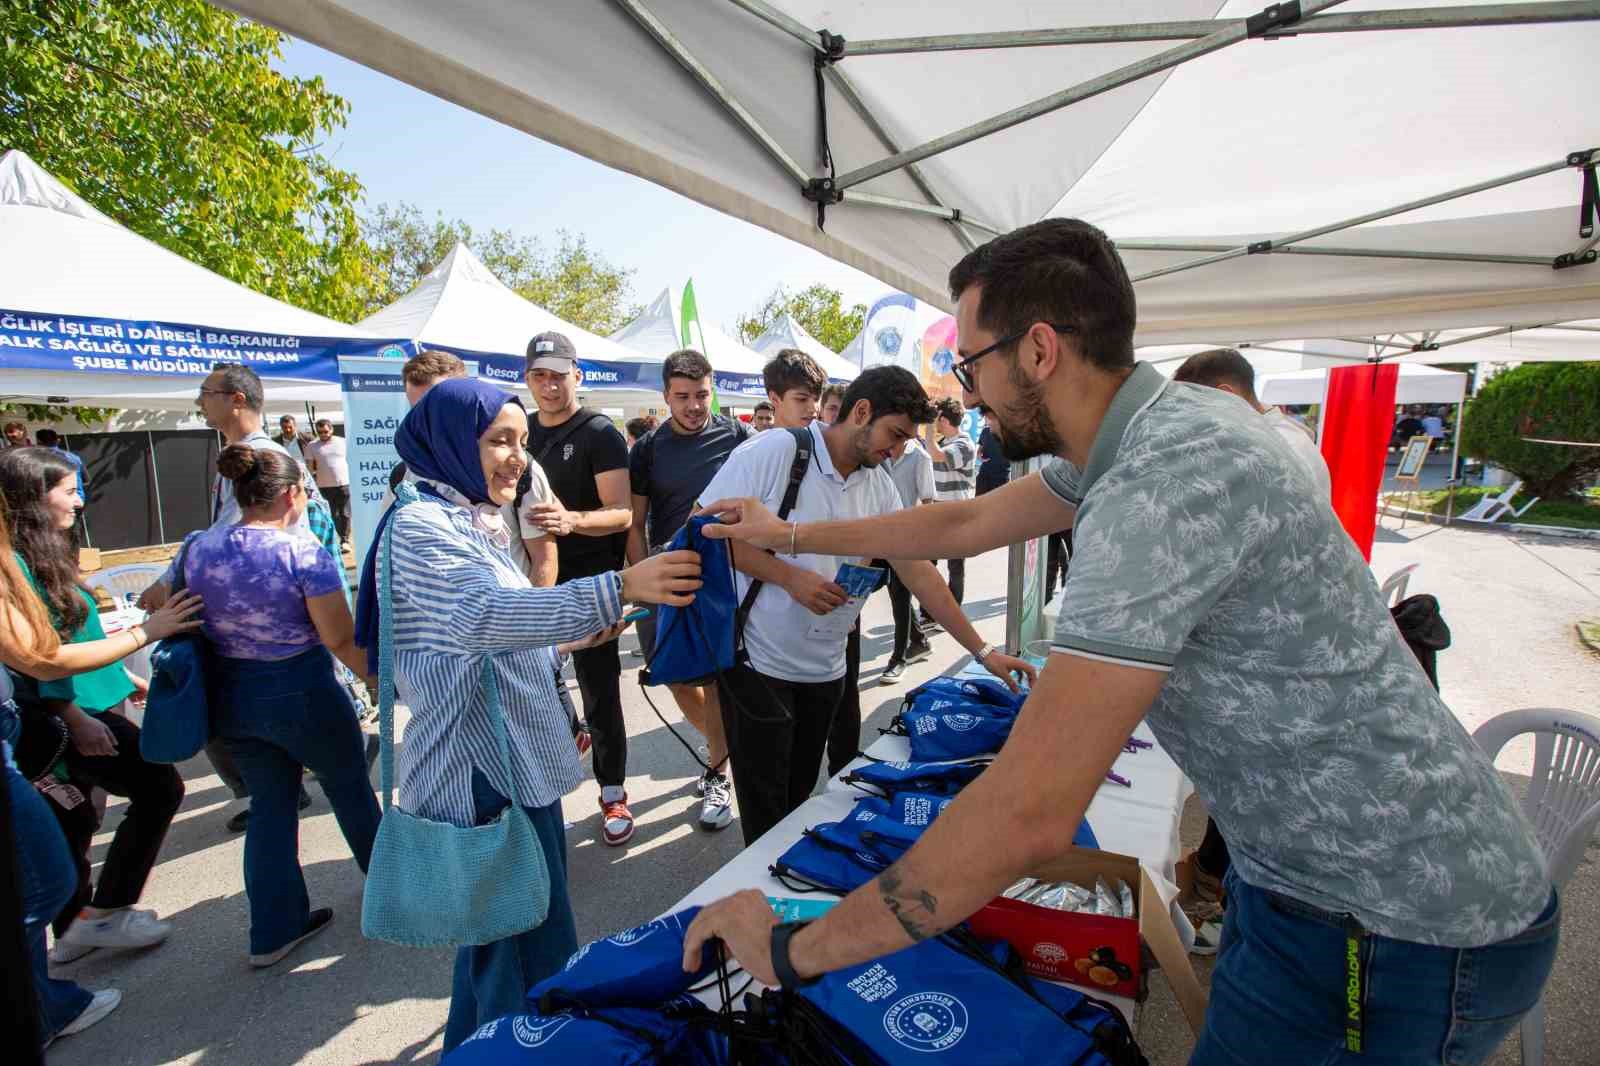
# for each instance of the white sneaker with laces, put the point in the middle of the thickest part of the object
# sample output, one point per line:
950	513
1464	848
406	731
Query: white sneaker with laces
64	952
716	808
126	928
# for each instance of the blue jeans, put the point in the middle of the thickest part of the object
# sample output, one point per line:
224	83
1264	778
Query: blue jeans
47	880
276	718
1279	992
492	980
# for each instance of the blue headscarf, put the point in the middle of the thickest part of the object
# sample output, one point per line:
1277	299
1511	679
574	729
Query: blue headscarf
438	440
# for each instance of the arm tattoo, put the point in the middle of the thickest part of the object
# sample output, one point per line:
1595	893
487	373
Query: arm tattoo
914	909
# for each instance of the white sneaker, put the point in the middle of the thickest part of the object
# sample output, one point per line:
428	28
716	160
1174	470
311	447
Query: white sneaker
104	1002
1207	938
126	928
65	952
716	808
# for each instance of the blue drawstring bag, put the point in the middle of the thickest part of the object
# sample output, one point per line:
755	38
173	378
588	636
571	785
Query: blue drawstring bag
946	729
837	858
937	778
985	690
676	1033
638	967
698	640
908	814
948	999
177	709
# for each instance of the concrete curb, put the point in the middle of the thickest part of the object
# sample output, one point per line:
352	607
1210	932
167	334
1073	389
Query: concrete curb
1568	532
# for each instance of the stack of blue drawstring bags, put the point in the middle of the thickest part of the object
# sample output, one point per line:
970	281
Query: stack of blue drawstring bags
953	998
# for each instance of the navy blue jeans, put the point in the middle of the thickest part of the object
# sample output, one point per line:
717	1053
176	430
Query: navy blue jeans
492	980
277	718
47	878
1280	991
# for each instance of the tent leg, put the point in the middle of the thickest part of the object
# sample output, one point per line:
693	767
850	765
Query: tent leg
1455	462
155	481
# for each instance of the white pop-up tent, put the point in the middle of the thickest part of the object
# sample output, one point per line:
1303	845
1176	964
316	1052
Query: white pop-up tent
461	307
93	313
655	333
1416	384
1268	172
788	333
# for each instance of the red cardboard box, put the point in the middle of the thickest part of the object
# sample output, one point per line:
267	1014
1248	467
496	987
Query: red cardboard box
1096	951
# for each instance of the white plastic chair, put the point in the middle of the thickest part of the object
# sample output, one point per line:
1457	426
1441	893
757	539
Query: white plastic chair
1494	508
121	580
1393	589
1563	803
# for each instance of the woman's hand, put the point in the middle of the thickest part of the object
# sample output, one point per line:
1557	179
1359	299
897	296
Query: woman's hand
594	640
748	520
671	578
179	614
90	736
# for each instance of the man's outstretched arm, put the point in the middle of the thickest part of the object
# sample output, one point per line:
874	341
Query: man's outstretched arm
957	529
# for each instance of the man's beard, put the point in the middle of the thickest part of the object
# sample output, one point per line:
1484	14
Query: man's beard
865	458
1026	428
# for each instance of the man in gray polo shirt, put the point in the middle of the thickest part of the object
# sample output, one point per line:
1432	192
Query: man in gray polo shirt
1386	890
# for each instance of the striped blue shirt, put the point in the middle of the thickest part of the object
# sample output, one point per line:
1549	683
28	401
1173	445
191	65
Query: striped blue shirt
458	598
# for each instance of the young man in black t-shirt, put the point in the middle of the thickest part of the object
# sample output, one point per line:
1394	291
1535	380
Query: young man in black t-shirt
586	460
668	469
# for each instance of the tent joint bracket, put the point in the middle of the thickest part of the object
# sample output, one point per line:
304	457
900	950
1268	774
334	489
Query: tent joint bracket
1572	259
1258	248
1272	18
822	192
833	47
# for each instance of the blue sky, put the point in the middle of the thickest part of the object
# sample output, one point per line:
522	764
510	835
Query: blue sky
407	145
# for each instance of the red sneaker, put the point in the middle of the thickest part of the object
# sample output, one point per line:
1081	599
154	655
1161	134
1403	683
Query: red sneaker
616	822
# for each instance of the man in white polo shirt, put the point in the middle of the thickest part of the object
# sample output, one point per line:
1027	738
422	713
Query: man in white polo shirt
778	704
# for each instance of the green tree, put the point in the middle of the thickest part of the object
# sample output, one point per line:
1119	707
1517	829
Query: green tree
29	411
817	308
573	281
1548	401
168	116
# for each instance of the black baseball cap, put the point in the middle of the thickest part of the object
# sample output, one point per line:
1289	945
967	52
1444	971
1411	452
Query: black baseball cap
551	351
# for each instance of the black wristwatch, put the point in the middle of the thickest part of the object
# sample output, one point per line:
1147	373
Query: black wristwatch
781	965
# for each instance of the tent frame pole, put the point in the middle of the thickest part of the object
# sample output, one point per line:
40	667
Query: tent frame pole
710	83
155	480
1359	220
1353	253
1231	33
1192	29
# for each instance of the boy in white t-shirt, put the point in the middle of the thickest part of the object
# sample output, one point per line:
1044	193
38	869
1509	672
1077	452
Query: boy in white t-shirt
778	703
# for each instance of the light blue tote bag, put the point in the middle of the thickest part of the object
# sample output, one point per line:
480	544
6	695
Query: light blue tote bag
433	883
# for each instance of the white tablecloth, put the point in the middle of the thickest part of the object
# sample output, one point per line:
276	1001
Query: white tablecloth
126	618
1141	821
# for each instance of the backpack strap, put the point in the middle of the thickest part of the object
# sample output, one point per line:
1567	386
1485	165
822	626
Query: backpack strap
797	474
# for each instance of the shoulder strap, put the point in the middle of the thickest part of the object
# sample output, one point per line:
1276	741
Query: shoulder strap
583	417
797	474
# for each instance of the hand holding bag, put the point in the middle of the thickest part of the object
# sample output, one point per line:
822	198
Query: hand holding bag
433	883
177	710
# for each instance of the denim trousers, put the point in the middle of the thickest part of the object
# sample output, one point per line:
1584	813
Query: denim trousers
1283	991
47	879
492	980
277	718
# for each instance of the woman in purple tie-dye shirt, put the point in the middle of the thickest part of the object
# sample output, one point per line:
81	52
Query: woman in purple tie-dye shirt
277	616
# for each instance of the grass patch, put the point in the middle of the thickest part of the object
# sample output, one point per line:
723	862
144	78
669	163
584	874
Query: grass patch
1578	514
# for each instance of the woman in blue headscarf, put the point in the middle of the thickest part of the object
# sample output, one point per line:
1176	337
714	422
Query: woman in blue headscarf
459	599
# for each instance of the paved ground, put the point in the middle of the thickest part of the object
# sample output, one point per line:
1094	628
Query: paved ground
344	1000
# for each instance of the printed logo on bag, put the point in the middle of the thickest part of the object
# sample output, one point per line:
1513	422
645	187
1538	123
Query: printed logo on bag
939	705
577	956
919	810
926	725
874	984
1051	953
871	862
629	937
533	1031
961	722
484	1032
927	1021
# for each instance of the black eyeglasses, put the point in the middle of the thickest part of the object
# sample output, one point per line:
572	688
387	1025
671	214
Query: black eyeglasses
963	369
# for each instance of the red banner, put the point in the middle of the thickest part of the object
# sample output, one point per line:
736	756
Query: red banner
1357	422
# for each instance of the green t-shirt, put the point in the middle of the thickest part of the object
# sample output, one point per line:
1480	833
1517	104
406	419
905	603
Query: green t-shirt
95	691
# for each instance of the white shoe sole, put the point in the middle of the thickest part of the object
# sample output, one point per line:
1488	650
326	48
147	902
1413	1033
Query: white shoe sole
272	958
104	1002
616	841
64	952
721	821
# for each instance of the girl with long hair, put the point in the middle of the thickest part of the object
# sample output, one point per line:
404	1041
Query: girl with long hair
43	863
41	490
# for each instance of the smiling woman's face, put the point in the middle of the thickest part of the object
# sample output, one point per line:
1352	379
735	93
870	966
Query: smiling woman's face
503	450
63	502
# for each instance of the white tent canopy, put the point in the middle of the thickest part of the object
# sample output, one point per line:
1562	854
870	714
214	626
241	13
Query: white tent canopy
788	333
461	306
1417	384
655	333
88	284
1168	123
